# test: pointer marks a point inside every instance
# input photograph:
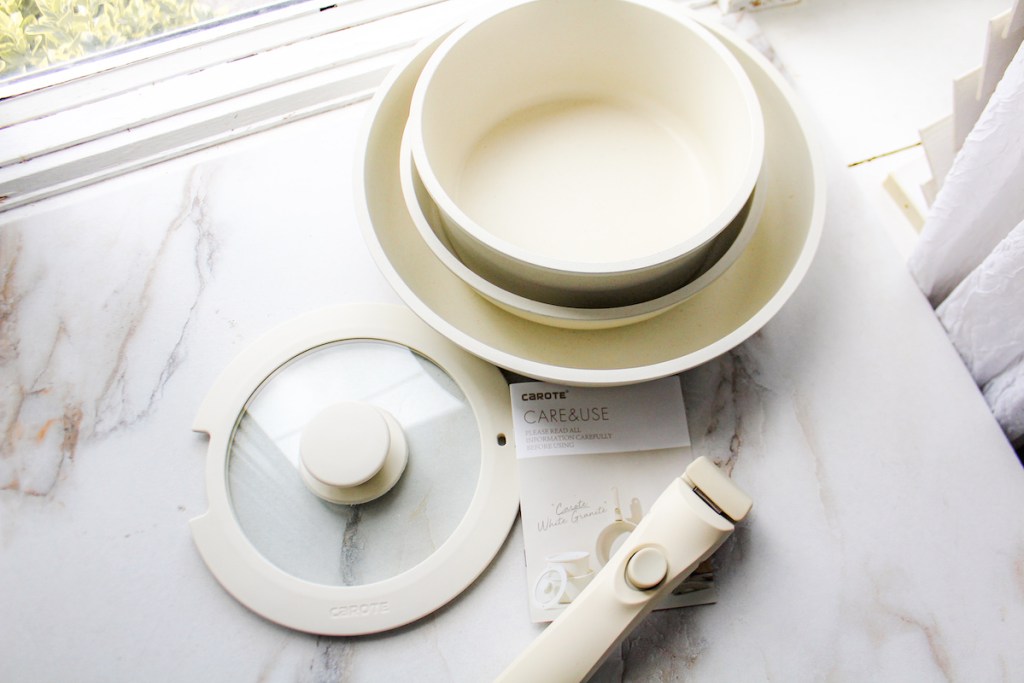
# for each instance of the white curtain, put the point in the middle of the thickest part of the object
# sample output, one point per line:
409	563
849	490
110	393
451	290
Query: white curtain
969	260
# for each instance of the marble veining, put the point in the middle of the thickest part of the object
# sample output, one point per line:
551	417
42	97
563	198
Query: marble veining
69	381
188	240
738	396
804	418
333	660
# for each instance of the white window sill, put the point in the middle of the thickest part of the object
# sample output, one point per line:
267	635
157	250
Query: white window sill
203	90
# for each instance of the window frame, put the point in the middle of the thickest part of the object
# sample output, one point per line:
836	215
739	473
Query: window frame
113	114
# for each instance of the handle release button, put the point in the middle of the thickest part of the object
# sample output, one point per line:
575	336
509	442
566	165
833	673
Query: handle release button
646	569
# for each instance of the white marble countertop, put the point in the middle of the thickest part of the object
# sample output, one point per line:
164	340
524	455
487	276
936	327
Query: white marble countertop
886	541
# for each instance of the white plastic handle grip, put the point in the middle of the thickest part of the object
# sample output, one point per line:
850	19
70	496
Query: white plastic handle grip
680	531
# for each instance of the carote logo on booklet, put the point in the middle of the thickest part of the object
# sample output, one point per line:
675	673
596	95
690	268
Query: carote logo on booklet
545	395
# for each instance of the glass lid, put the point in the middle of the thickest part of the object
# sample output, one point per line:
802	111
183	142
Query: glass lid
356	543
361	471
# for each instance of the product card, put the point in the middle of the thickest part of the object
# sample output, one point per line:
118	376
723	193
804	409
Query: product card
555	420
592	461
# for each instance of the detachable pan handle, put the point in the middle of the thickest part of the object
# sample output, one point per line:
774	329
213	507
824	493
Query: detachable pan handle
688	522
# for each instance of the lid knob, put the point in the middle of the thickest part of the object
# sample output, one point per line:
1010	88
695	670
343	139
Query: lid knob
352	453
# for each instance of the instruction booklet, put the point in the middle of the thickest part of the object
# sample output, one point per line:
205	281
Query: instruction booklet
592	461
